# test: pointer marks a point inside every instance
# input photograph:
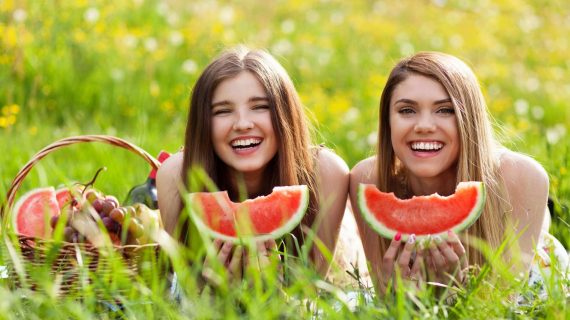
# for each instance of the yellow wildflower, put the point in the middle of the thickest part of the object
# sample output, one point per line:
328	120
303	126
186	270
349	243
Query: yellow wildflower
33	130
14	109
3	122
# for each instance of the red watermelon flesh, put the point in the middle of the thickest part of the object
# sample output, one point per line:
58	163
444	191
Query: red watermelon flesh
423	215
33	211
265	217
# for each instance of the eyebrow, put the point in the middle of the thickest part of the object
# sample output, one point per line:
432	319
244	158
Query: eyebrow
404	100
252	99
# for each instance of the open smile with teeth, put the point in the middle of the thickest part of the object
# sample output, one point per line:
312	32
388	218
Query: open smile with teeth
427	146
246	143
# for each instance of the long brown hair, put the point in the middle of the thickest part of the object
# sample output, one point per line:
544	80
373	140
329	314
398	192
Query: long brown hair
478	158
294	162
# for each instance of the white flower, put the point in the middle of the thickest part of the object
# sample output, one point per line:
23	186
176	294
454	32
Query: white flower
554	134
150	44
227	15
130	41
176	38
288	26
521	107
351	114
189	66
372	138
91	15
19	15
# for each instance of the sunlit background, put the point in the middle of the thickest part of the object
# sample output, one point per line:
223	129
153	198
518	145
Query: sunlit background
126	68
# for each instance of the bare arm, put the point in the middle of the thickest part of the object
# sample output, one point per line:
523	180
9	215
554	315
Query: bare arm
333	191
527	187
365	172
168	179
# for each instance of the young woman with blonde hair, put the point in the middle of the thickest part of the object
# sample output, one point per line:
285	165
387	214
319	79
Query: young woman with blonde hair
434	132
246	127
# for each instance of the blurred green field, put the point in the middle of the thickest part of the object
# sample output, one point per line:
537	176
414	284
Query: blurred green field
126	68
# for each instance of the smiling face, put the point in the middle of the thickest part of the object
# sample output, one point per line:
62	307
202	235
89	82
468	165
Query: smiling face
242	130
423	128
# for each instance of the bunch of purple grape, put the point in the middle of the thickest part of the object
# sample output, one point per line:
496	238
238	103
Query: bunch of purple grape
82	217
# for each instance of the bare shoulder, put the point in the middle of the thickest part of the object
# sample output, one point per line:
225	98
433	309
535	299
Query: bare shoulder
168	181
169	171
331	163
522	172
364	171
527	185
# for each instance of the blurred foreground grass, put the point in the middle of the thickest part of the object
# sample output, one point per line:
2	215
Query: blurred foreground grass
127	68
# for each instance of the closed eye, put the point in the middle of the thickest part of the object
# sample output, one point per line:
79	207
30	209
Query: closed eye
260	107
220	111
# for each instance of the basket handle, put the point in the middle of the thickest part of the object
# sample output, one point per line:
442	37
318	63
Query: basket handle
65	142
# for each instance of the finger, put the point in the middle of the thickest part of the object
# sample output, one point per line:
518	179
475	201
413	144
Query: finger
225	252
271	245
417	266
405	256
451	258
459	249
234	266
437	258
390	255
217	243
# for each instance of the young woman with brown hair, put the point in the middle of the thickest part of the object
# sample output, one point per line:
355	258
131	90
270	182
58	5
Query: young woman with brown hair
246	126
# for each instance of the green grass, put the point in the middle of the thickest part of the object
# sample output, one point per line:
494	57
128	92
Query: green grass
126	69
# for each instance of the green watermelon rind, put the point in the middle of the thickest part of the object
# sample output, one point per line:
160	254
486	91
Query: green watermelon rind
21	201
388	233
276	234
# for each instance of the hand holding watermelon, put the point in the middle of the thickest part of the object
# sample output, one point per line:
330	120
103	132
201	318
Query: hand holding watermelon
236	259
445	260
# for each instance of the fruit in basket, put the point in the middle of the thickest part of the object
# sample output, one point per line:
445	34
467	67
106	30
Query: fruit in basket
262	218
423	215
82	210
33	210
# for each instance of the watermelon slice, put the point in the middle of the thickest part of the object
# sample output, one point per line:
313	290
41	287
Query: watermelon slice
33	211
423	215
262	218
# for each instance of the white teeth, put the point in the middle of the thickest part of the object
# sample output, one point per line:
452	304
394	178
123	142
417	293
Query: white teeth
427	145
245	142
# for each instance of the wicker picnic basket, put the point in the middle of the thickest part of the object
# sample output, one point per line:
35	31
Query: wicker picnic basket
68	260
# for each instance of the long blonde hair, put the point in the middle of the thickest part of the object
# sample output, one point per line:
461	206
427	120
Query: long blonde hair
478	157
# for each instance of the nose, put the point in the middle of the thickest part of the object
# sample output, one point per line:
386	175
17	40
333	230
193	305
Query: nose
242	122
425	124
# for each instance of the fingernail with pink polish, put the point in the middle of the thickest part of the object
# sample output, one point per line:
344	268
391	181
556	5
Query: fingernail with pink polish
412	238
398	236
